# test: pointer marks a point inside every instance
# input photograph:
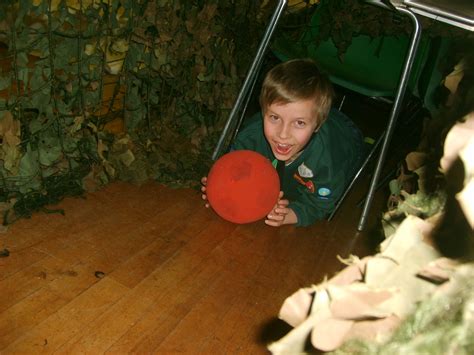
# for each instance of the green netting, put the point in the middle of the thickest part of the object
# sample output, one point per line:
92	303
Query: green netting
97	90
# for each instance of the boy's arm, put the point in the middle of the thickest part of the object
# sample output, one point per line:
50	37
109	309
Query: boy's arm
240	143
250	136
310	207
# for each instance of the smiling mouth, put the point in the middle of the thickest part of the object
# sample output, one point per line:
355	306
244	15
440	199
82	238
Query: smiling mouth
282	149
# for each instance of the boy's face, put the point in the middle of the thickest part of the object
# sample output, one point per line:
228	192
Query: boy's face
288	127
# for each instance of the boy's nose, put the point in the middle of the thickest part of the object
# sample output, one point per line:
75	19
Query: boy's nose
284	132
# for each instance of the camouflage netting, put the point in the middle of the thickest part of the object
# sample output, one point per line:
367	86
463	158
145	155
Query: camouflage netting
97	90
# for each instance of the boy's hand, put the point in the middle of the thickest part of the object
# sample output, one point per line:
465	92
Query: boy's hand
203	190
281	214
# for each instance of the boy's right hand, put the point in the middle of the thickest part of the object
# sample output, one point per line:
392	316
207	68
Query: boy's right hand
203	190
281	214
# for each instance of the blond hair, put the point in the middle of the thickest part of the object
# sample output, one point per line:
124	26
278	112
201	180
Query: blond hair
295	80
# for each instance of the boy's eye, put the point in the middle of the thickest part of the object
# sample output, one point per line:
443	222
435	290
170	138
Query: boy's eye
273	118
300	123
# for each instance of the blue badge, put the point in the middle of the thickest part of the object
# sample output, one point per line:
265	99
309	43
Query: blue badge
324	192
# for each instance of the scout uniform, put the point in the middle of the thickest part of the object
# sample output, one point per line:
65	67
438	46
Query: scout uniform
315	180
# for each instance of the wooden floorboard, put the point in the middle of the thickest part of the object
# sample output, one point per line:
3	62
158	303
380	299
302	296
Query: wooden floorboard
148	269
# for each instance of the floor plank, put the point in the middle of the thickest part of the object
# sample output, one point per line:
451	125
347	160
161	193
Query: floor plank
174	277
24	315
74	318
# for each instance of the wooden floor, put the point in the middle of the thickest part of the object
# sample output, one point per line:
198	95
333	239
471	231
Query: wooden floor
148	269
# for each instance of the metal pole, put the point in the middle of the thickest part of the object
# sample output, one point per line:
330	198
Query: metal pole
251	76
356	176
414	41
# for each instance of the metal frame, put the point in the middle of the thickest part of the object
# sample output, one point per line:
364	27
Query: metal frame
459	13
240	105
395	111
348	189
406	9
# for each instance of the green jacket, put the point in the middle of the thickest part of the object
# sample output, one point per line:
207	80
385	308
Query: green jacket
313	182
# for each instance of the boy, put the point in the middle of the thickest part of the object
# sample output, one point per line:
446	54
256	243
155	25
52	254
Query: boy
316	150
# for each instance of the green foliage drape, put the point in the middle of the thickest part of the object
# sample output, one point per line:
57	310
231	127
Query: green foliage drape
96	90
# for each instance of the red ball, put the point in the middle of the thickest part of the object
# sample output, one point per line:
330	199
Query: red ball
242	186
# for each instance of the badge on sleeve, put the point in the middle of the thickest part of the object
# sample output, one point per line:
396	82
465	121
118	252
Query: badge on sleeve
305	172
303	176
308	183
324	192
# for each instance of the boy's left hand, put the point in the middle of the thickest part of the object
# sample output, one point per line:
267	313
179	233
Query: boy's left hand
281	214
